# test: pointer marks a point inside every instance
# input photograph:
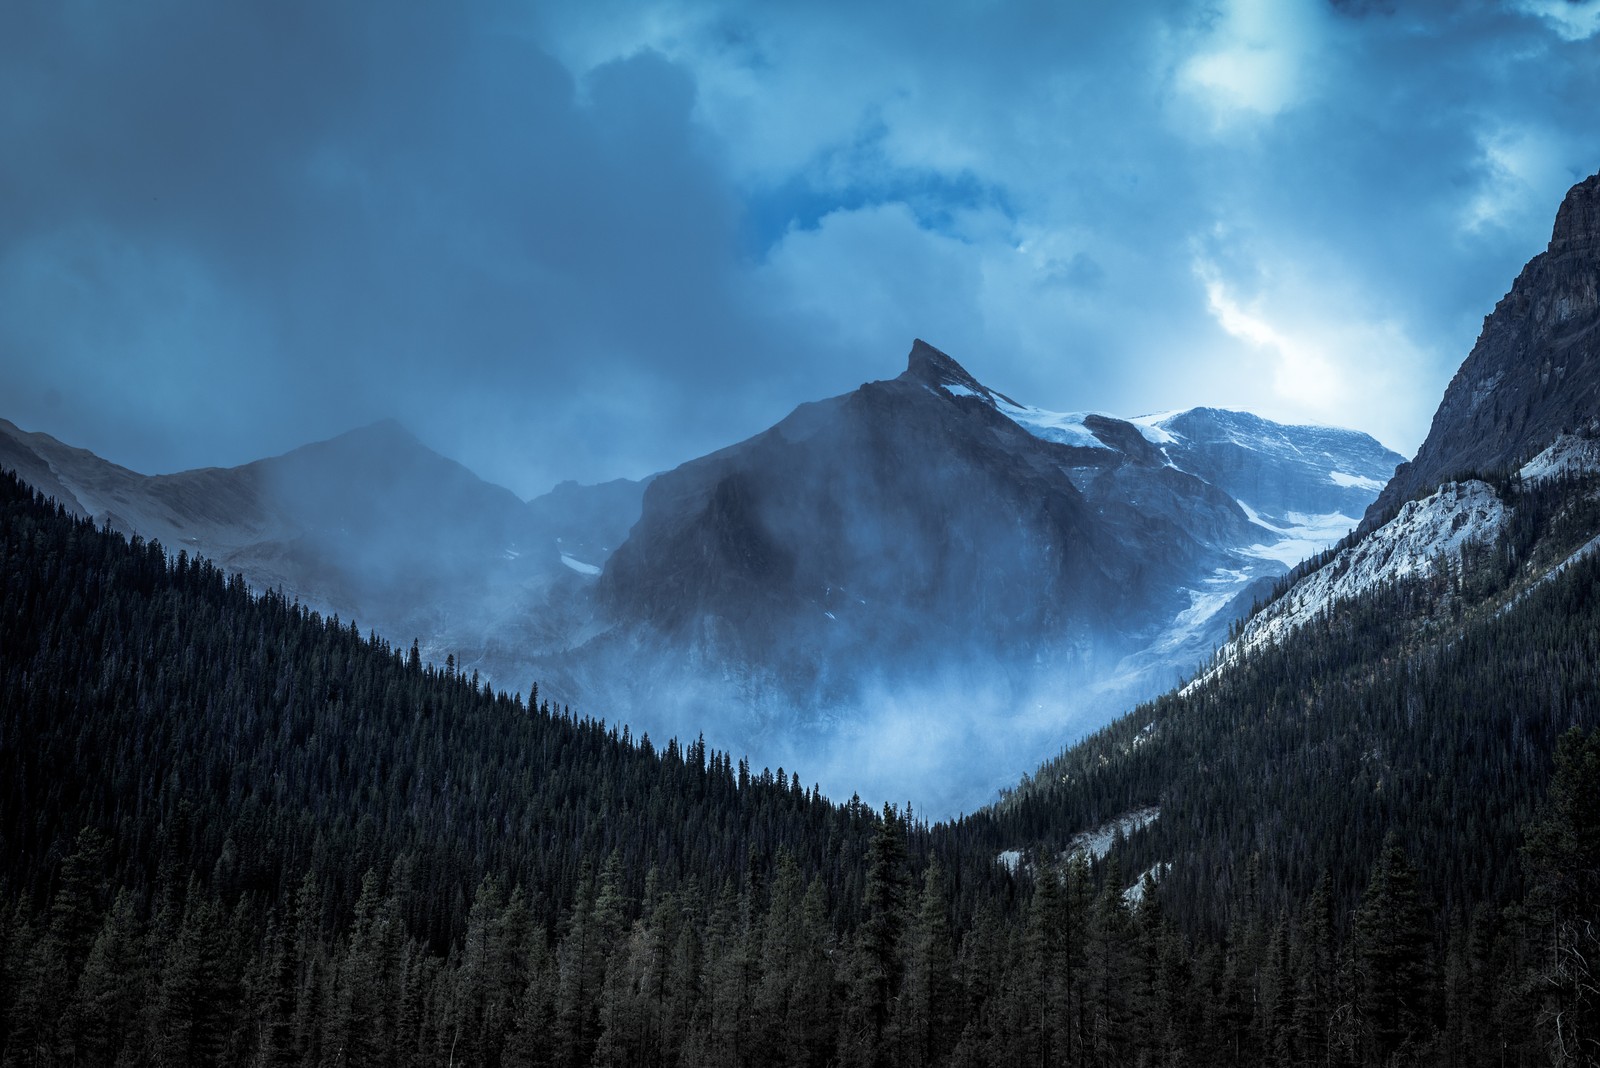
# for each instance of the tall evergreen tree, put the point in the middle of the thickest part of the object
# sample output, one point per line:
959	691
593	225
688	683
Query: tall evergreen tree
1391	959
1563	860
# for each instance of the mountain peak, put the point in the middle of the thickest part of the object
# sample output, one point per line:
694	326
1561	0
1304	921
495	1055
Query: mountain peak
390	431
1578	219
929	366
1531	373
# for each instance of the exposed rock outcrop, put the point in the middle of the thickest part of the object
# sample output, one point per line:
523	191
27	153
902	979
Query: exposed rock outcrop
1534	372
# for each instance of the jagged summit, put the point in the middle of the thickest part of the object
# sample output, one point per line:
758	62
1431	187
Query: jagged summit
1577	225
932	367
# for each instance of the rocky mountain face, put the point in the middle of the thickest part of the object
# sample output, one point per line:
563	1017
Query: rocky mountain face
1526	401
1534	372
916	515
929	509
1280	472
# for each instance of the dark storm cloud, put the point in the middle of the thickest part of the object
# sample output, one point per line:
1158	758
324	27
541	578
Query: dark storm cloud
597	239
285	223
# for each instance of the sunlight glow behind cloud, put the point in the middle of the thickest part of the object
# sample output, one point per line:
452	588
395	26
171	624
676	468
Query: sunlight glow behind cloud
1255	58
1302	375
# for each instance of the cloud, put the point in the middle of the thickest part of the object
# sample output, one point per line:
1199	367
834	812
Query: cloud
1312	351
1515	162
1573	20
588	240
1254	57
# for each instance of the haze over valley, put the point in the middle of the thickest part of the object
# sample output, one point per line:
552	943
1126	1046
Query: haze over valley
910	591
692	534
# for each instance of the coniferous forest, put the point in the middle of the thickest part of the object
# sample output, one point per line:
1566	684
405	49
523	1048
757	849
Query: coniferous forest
234	832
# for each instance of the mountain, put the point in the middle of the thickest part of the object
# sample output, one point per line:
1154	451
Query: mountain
904	566
371	525
235	833
1524	406
1534	372
1365	759
913	563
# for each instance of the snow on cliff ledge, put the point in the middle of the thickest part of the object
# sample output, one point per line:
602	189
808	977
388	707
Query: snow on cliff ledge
1569	454
1404	547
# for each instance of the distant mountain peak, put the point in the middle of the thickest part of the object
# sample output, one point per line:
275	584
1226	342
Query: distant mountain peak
939	370
390	431
932	367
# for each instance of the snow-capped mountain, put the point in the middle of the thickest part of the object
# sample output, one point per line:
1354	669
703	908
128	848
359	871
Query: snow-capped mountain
923	564
927	561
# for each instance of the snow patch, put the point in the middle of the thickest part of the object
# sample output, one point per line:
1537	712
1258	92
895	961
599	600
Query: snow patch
1567	455
1349	481
1203	608
1154	429
1302	536
579	566
1064	428
1134	894
1097	843
1408	545
1094	844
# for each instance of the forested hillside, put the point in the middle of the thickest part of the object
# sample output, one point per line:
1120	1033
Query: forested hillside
234	832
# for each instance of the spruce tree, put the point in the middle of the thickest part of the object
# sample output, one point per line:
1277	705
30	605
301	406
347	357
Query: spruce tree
1391	941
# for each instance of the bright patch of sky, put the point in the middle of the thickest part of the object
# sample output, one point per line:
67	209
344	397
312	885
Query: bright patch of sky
1254	57
1574	20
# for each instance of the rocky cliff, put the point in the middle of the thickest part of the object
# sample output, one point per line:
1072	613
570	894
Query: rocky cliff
1534	372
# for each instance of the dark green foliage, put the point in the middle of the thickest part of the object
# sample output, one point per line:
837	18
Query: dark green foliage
1563	858
233	832
1392	967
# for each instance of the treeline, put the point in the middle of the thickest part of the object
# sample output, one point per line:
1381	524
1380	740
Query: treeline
234	832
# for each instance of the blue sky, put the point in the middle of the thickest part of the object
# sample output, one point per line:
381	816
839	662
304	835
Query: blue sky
597	239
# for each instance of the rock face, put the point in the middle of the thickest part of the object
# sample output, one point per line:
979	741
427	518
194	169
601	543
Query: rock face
911	520
1534	371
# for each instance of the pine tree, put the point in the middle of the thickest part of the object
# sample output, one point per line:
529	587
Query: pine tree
104	1015
1391	958
878	958
928	1006
1110	957
1314	971
1563	861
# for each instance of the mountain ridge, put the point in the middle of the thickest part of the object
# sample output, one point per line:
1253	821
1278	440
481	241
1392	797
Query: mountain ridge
1533	372
916	538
